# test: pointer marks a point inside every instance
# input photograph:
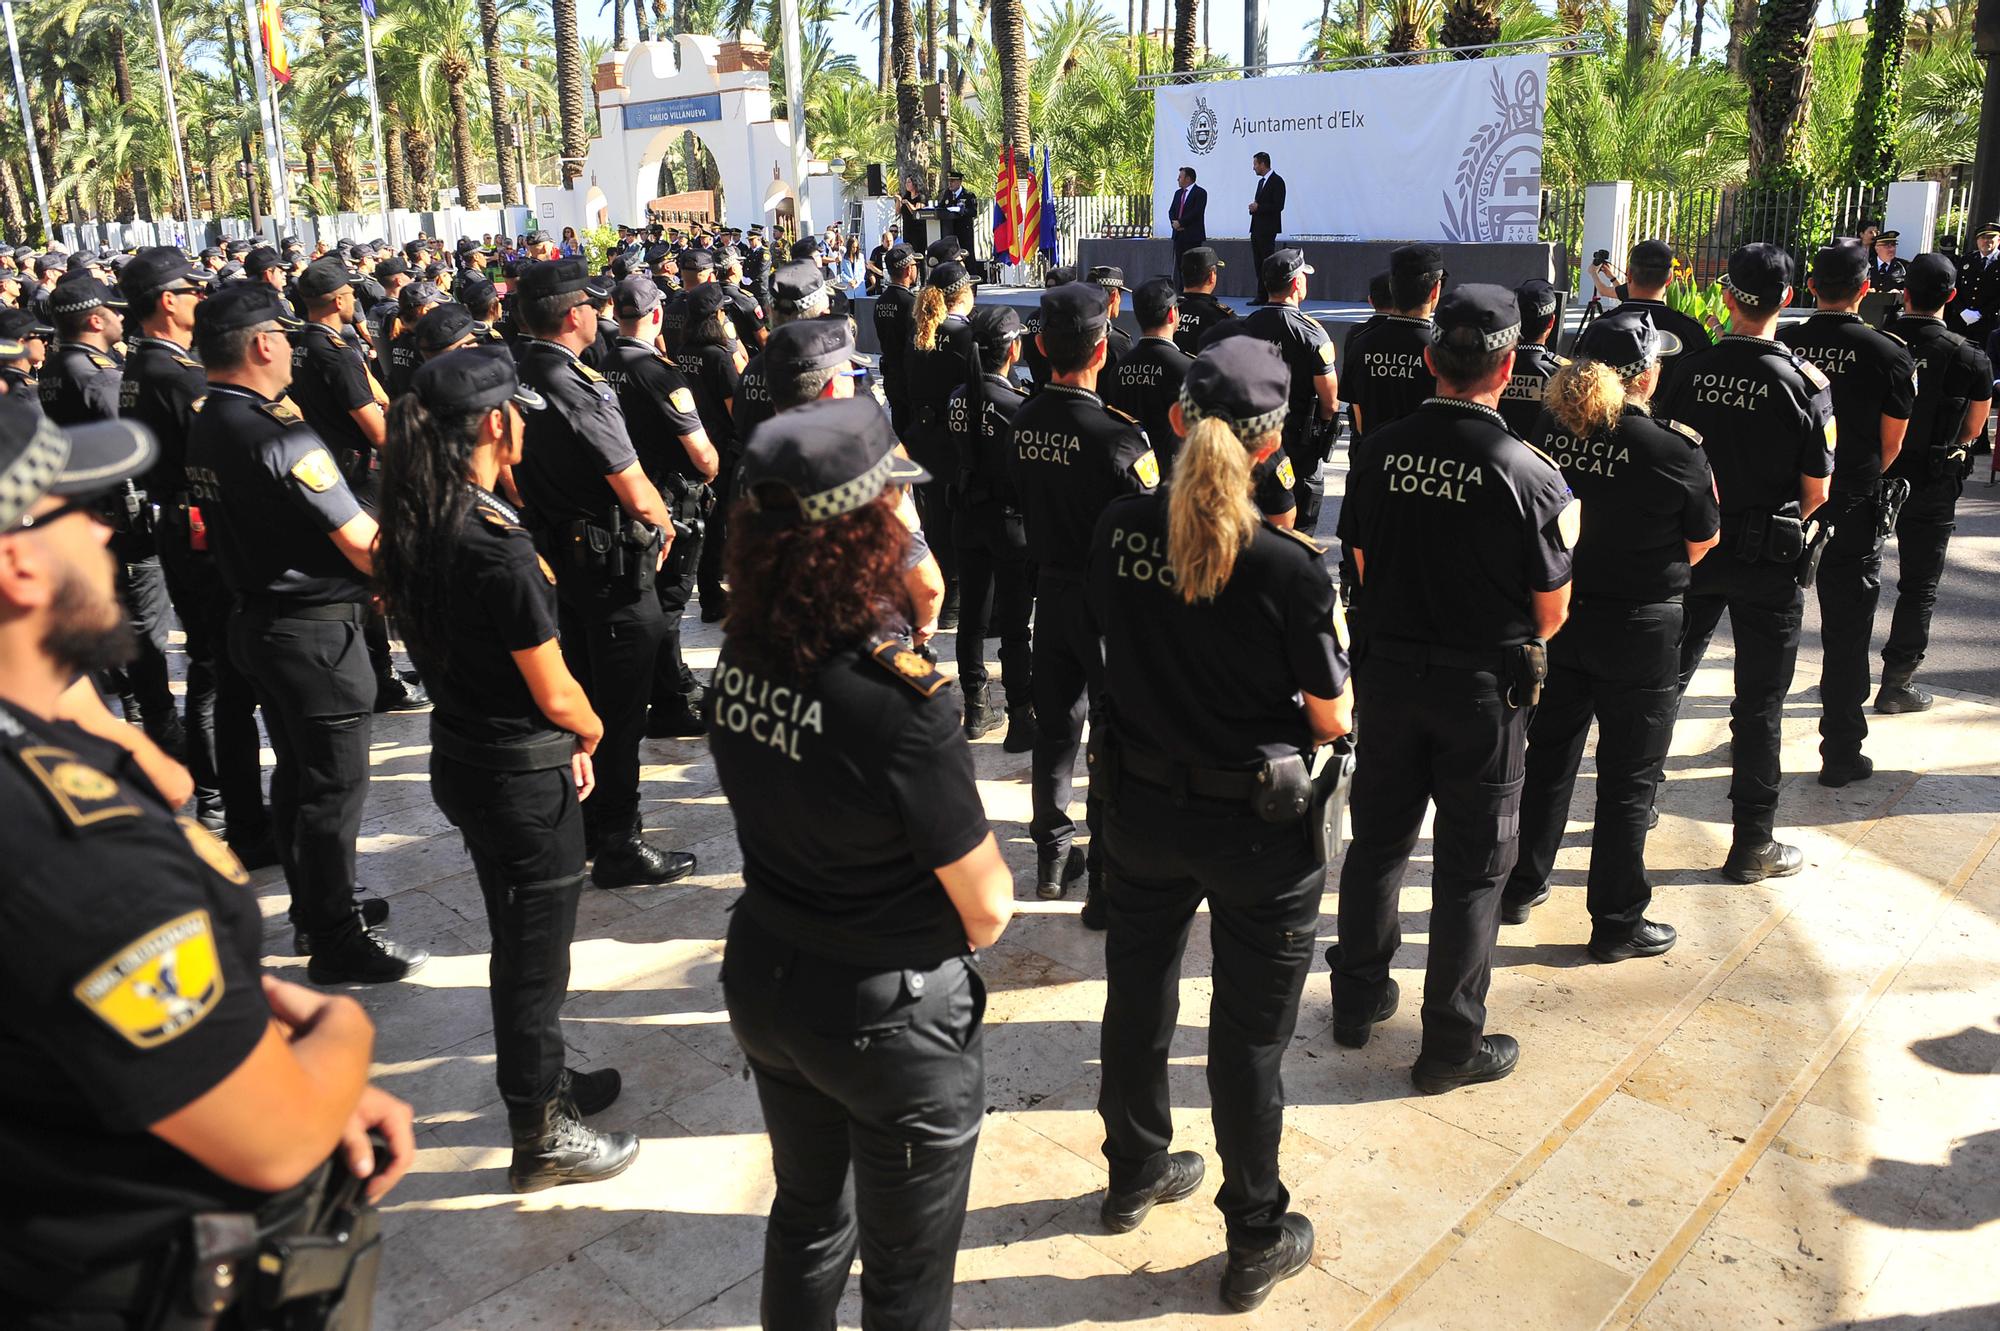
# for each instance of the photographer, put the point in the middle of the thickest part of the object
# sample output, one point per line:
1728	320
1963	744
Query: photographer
1649	269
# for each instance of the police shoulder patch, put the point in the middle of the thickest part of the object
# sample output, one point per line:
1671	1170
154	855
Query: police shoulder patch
1286	476
493	517
1569	523
102	360
84	796
1814	375
284	411
1326	353
912	668
160	985
198	403
589	373
1120	414
1340	634
1147	469
211	850
1692	435
681	399
315	471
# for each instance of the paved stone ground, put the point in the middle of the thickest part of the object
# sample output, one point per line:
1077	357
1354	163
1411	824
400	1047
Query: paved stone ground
1791	1120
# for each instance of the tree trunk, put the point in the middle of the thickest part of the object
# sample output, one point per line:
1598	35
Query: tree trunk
885	75
395	154
1873	156
218	202
1010	50
912	144
422	157
1361	22
1145	31
1742	22
640	21
1638	19
12	210
1694	40
929	67
618	39
455	76
1320	33
346	173
1184	34
572	87
511	193
1778	64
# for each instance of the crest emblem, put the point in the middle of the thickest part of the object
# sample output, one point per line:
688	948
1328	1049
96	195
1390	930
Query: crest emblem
1204	131
1497	193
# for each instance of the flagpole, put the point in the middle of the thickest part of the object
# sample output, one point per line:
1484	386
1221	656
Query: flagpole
274	162
174	124
28	125
374	112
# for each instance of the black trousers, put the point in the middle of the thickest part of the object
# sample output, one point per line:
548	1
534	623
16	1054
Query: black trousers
1162	860
1766	606
1850	586
1305	467
142	590
224	749
1433	734
1615	661
709	567
1068	687
313	681
873	1085
524	831
996	598
610	637
672	680
939	519
1262	246
1922	532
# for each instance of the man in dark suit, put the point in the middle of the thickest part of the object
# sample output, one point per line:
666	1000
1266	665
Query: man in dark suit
1188	216
959	212
1975	311
1267	210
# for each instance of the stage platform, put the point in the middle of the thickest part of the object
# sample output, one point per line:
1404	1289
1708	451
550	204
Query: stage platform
1341	268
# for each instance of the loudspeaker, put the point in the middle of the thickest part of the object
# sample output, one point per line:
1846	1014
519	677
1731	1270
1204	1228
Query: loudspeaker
876	188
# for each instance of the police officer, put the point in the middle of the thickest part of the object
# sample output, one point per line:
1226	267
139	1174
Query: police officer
405	352
1765	416
1649	271
1118	341
1874	390
1446	675
756	260
1199	308
481	299
1649	514
1975	310
746	308
1521	403
869	876
677	456
940	359
1223	666
1388	375
996	584
20	373
1886	272
895	315
446	327
1146	381
598	292
294	546
1954	397
798	291
696	269
1311	415
511	737
1032	359
1071	456
391	274
592	507
136	994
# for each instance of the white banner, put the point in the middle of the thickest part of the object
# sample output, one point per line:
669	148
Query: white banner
1446	152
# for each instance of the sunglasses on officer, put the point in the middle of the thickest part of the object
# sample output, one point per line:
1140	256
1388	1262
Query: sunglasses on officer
96	506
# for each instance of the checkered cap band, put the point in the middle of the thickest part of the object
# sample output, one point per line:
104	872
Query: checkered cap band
1493	341
848	496
1248	429
38	468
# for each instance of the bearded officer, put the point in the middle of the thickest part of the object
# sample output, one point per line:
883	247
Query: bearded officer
1072	455
1521	403
1315	399
1447	675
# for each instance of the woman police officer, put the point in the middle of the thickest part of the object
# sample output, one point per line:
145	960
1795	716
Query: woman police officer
511	734
869	877
1224	663
1649	515
942	356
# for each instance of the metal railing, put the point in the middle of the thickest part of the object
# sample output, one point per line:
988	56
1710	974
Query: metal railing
1955	218
1562	226
1556	47
1706	226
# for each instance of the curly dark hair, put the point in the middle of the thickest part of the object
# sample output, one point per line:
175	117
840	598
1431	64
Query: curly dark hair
799	593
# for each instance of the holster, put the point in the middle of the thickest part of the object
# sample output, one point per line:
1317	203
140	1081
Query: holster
1527	667
585	547
1284	789
1325	433
638	556
1805	569
1332	779
1100	757
1894	493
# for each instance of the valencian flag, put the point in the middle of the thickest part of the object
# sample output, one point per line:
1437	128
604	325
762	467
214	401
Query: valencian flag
1006	203
273	30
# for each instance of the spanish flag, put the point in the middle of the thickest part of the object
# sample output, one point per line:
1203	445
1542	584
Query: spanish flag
1027	214
272	29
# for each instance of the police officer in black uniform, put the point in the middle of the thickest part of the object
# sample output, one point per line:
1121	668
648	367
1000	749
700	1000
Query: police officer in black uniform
136	992
1387	375
1765	416
1954	398
511	736
746	308
677	456
481	299
1886	272
996	581
1117	341
601	522
869	876
1199	309
446	328
941	358
1446	674
1874	390
1032	359
20	373
1649	513
895	314
1521	403
1223	666
1146	381
294	546
1649	271
1072	455
756	261
696	269
1311	418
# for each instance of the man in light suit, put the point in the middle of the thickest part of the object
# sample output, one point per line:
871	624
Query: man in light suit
1188	216
1267	210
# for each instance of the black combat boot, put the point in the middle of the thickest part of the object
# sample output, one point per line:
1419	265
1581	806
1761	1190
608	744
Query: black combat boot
1899	694
552	1147
1021	730
980	718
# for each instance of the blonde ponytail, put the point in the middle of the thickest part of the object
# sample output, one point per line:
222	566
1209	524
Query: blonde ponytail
931	310
1210	518
1586	397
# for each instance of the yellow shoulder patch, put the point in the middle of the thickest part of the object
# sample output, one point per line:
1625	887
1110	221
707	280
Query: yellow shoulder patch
1326	353
1692	435
547	572
160	985
315	471
1569	523
589	373
913	668
1286	476
1147	469
681	399
1340	634
100	359
209	848
82	794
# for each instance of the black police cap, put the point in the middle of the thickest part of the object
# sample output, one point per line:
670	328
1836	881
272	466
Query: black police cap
705	302
635	297
79	292
993	327
899	258
553	277
1283	265
261	261
805	247
1986	229
391	266
324	277
19	325
239	247
1107	275
833	457
805	345
1842	262
1477	316
229	272
1198	263
1888	237
1242	382
242	305
1538	301
695	261
417	297
474	286
1058	275
155	269
599	287
797	285
949	277
1626	340
1759	273
443	326
1929	278
944	250
1077	313
472	379
39	458
1655	258
1156	298
1411	263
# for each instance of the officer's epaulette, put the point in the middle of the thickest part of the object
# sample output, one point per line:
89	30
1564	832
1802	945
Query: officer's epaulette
1812	372
1558	361
1892	337
1297	535
101	359
282	411
1121	415
589	373
1540	454
186	361
1693	435
894	655
83	796
493	517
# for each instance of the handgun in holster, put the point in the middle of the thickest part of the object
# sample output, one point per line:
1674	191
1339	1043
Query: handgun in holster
1527	667
1325	434
1813	543
1889	501
1332	774
634	561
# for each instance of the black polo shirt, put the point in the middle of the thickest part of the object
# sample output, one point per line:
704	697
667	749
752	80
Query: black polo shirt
329	383
711	372
1646	491
1873	376
895	314
1200	311
1521	400
1765	418
162	383
659	408
982	439
1145	384
1385	376
1072	455
1308	352
1952	373
570	449
79	384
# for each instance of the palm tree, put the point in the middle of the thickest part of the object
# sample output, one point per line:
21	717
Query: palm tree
1184	21
1778	69
1873	157
1469	23
570	89
617	8
1010	53
913	153
1409	27
511	193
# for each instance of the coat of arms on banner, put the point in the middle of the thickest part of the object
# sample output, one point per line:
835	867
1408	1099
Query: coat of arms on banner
1499	182
1204	131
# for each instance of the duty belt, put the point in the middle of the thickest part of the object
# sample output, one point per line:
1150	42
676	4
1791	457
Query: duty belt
347	612
1207	782
535	753
1492	660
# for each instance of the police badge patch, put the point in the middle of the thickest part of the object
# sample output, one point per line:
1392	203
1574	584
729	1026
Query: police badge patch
159	986
1204	131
